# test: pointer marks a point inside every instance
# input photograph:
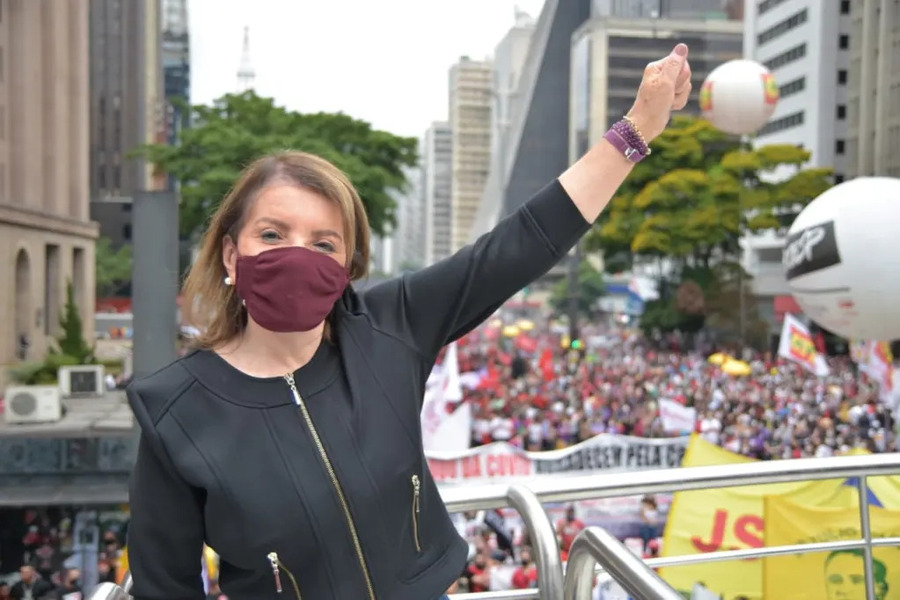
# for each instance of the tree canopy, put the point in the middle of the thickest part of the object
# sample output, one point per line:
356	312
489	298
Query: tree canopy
699	191
113	272
239	128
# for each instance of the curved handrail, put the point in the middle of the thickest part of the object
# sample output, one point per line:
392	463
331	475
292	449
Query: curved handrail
595	545
543	538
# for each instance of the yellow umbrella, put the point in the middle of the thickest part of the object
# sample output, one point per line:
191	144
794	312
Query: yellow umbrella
737	368
719	358
525	324
511	331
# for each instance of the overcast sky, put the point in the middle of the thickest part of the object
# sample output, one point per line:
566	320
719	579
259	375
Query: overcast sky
384	61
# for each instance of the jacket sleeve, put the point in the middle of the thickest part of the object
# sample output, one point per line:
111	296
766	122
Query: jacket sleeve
166	532
443	302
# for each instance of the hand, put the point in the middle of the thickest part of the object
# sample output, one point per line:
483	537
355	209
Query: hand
666	87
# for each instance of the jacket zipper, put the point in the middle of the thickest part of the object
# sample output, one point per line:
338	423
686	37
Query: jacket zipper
351	525
417	490
277	567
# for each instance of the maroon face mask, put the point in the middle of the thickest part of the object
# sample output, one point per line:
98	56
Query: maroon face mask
290	289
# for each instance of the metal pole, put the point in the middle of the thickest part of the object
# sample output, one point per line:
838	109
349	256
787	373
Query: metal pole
574	290
865	525
546	548
598	545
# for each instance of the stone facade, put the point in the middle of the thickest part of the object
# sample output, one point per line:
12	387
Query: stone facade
46	236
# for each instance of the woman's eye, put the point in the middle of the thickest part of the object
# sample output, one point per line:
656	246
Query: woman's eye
325	246
270	236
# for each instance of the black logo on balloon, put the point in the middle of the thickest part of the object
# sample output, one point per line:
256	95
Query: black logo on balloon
810	250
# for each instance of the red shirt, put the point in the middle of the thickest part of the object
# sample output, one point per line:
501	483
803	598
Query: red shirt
567	531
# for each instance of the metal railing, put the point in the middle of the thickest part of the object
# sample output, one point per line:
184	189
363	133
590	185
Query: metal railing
615	560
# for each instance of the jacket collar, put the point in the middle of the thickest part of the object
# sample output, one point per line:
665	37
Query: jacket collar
222	379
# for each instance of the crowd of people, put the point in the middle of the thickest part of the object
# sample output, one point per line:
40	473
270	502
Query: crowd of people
613	383
539	393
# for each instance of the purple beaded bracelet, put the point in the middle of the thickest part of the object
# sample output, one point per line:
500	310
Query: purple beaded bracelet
628	140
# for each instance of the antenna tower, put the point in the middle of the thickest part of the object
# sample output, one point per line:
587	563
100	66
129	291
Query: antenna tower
245	74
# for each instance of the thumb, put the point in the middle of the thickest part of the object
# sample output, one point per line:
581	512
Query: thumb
675	61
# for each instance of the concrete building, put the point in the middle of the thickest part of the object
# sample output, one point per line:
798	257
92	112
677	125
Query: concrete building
806	45
873	136
509	60
609	55
176	62
127	108
409	235
46	236
437	168
470	125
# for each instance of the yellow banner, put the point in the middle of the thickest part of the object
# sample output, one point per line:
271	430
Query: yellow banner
827	576
732	518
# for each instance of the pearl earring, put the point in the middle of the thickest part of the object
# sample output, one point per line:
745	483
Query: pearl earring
227	280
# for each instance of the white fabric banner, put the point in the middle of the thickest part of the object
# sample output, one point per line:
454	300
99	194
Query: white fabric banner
602	453
442	430
677	418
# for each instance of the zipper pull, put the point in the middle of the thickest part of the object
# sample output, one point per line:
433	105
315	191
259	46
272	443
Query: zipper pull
417	487
289	377
273	560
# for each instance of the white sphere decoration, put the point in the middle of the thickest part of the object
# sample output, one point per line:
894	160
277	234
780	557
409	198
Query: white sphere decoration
739	96
841	259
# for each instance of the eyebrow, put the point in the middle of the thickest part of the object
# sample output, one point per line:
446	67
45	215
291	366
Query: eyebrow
283	225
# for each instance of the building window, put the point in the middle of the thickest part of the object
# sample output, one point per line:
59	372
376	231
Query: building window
838	178
786	122
767	5
126	231
845	7
792	87
844	41
839	146
841	111
842	77
786	57
783	27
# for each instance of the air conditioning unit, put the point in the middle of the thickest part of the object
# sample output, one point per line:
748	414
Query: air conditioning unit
81	380
33	404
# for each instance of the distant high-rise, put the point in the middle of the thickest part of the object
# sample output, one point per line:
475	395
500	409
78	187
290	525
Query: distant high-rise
127	108
471	89
246	74
409	236
176	61
873	95
437	167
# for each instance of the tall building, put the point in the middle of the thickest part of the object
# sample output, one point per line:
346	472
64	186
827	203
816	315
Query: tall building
409	235
509	60
437	177
609	55
176	63
470	124
46	236
806	46
127	108
873	138
246	74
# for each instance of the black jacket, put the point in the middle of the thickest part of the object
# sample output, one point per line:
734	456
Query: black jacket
333	480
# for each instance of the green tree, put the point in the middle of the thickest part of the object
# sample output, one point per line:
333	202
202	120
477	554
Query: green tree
72	342
699	191
239	128
590	287
113	271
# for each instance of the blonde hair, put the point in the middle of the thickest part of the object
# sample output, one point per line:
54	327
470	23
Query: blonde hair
213	307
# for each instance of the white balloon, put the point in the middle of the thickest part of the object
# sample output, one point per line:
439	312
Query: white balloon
842	262
739	96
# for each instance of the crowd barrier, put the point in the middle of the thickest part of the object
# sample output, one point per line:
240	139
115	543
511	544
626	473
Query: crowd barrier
595	547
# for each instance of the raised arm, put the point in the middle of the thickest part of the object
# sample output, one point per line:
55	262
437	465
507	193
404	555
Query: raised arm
436	305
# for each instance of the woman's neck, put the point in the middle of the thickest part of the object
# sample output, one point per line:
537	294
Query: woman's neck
262	353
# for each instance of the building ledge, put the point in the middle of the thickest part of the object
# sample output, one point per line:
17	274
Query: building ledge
40	221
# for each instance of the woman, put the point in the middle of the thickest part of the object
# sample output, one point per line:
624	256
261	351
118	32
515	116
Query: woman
290	440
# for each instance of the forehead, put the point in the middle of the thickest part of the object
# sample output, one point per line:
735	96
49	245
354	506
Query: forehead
296	206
